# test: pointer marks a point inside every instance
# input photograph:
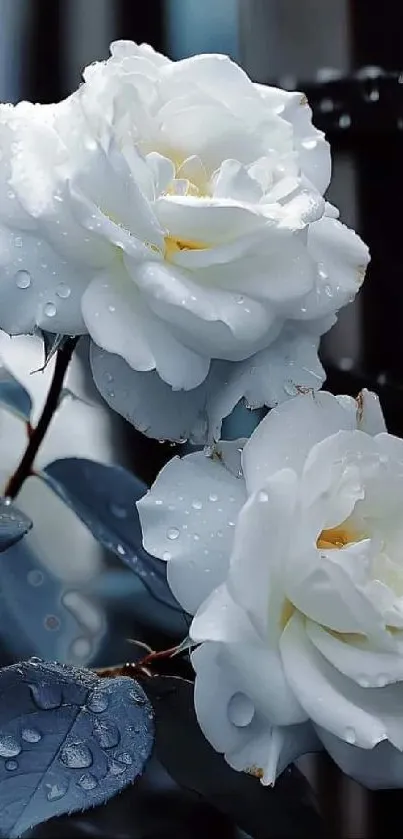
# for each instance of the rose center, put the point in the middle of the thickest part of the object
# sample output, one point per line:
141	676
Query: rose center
174	245
336	537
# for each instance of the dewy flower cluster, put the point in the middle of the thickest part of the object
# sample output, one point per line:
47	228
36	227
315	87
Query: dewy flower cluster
175	213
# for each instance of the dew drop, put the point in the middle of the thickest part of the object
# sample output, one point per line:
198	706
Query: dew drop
56	791
46	696
34	661
111	309
121	550
350	735
116	768
364	682
263	496
98	703
197	505
76	756
31	735
172	533
87	781
220	534
166	556
241	710
137	698
108	377
50	310
107	734
9	746
213	497
382	680
63	290
35	577
23	279
11	765
125	758
196	537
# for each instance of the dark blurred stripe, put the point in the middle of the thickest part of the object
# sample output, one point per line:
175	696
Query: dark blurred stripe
42	71
141	21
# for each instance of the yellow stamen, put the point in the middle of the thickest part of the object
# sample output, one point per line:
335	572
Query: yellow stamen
173	246
335	537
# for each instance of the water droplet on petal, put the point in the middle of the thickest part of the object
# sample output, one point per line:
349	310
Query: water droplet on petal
31	735
46	696
63	291
213	497
263	496
76	756
241	710
107	734
56	791
50	310
172	533
121	551
290	389
34	661
23	279
11	765
87	781
98	703
166	556
197	505
382	680
350	735
9	746
196	537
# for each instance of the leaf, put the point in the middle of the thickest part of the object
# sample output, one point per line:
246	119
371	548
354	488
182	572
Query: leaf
68	741
14	396
286	810
104	497
43	615
13	524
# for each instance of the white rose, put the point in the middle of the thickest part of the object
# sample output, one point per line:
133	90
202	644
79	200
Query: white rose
62	545
175	211
293	570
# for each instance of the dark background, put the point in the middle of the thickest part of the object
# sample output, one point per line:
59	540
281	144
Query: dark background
347	56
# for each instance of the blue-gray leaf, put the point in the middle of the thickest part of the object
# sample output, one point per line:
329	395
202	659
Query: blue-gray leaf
43	615
104	498
13	524
13	395
68	741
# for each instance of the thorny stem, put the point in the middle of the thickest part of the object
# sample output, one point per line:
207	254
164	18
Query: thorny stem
37	434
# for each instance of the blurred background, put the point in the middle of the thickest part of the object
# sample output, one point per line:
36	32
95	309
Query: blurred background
347	56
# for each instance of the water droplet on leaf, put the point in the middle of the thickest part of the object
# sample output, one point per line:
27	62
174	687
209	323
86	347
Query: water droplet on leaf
9	746
56	791
31	735
87	781
46	696
23	279
98	703
76	756
107	734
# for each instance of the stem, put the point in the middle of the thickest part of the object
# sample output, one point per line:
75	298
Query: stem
24	469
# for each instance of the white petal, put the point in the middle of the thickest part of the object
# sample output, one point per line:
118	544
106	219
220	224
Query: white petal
120	322
261	540
248	661
188	520
285	437
356	659
269	377
232	724
326	696
378	768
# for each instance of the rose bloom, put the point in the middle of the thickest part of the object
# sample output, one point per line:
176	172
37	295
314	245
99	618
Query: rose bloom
58	544
174	211
288	552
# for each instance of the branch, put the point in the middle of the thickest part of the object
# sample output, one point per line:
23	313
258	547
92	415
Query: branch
37	435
